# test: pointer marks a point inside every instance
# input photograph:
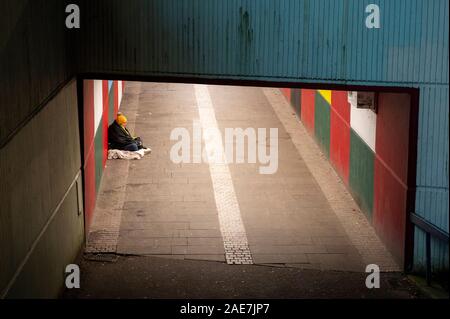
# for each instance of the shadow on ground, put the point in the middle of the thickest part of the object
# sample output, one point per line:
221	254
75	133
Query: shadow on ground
112	276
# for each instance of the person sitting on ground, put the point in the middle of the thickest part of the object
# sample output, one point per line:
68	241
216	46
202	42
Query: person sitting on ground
121	139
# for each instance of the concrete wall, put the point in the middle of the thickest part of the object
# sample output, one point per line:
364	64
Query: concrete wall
34	62
41	220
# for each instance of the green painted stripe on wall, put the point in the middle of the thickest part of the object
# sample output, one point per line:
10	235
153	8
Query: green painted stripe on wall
361	173
322	123
98	147
295	100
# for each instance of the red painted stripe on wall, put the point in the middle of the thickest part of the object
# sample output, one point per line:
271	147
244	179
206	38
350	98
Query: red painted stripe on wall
88	114
340	145
390	172
89	158
339	103
389	213
340	134
307	108
287	94
392	139
105	120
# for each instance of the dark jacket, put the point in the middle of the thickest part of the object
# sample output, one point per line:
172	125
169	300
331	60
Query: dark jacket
118	136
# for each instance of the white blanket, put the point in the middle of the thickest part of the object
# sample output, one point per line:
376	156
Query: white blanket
119	154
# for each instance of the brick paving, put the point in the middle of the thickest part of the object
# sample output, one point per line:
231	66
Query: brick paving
233	232
300	217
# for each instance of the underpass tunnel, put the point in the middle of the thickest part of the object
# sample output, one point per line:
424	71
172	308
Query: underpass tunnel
343	214
337	199
355	170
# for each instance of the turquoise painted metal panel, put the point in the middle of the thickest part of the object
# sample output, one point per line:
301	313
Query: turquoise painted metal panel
432	163
432	196
307	41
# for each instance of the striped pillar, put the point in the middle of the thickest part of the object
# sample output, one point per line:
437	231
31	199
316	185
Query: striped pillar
363	124
322	119
98	131
293	95
340	134
307	108
391	171
101	102
369	151
105	120
89	159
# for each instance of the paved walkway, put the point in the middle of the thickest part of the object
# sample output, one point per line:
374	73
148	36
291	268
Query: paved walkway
301	216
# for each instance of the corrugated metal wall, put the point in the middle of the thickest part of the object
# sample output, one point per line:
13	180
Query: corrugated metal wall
312	40
432	170
308	41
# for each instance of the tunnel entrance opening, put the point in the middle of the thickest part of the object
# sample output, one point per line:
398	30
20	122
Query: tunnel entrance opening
301	215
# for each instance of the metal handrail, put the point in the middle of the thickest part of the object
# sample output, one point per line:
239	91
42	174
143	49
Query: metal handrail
430	230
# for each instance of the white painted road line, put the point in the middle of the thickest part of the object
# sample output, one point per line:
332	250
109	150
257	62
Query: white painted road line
231	225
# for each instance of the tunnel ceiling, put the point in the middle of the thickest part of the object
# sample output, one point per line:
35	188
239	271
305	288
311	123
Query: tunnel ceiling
309	41
312	41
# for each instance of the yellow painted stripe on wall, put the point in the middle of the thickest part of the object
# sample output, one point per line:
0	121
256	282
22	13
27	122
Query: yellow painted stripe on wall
326	94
